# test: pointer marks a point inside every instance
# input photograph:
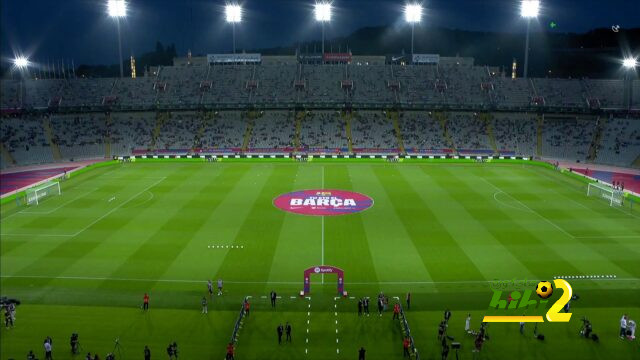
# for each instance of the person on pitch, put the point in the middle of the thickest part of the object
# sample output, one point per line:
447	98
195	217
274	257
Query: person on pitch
274	296
396	311
145	302
280	330
205	307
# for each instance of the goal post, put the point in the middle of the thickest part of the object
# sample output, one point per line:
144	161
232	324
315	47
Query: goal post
613	196
36	194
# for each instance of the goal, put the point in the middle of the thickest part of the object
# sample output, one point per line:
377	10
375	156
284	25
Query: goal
614	197
36	194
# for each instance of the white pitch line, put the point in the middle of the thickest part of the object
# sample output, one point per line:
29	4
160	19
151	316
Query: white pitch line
609	237
558	181
95	221
58	207
322	217
119	206
35	235
530	209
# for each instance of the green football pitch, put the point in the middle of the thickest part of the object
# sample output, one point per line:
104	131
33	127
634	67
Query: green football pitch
81	262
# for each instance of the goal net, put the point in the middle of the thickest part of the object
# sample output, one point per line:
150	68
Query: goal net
613	196
36	194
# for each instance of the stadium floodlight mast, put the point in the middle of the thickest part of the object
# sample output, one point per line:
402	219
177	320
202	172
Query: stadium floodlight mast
118	9
21	62
413	15
233	15
630	63
529	9
322	11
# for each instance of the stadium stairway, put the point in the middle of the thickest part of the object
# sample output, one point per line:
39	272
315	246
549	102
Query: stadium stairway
299	118
6	155
539	135
346	116
488	120
205	116
442	117
48	133
161	118
597	139
251	116
107	137
393	116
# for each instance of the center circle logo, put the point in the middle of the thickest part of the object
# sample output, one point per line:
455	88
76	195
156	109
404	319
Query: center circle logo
323	202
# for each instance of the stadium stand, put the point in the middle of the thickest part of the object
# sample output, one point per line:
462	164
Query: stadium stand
178	132
177	109
323	131
567	138
512	92
79	136
469	133
323	83
224	132
11	95
372	131
25	140
620	142
421	133
560	92
131	131
274	84
274	130
370	83
608	92
515	133
85	92
464	84
180	85
228	84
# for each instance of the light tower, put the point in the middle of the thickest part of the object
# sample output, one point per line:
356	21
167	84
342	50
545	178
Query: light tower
413	15
529	9
322	11
629	65
118	9
21	62
233	15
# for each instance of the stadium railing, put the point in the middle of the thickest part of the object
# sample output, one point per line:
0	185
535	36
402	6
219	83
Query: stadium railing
238	324
404	324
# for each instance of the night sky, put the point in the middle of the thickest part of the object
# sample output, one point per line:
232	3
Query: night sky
81	30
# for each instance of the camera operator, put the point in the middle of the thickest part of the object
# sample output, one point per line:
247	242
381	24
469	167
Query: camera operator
74	343
586	328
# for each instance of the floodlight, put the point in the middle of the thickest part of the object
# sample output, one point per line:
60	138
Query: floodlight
413	13
233	13
630	63
21	62
323	11
529	8
117	8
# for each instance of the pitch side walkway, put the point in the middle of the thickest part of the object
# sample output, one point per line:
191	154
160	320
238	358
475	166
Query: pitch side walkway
15	181
16	178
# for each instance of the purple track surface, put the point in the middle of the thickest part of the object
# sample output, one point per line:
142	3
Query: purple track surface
13	181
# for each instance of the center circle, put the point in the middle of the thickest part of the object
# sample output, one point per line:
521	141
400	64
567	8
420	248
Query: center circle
323	202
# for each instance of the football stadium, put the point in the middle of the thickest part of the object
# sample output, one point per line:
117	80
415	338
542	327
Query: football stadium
325	204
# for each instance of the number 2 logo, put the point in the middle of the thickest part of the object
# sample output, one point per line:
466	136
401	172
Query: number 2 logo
554	315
